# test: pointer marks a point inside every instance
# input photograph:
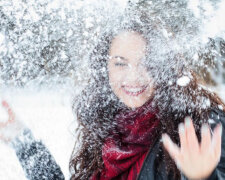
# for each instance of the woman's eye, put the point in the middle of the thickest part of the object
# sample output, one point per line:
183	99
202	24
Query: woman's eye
120	64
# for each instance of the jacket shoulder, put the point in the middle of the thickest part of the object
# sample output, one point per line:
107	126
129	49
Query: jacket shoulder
216	116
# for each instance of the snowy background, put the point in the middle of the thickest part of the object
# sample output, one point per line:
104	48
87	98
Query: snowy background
40	71
48	114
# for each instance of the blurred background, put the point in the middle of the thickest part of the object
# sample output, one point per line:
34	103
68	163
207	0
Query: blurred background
43	47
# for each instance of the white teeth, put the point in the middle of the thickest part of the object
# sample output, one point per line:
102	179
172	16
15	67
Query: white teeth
134	90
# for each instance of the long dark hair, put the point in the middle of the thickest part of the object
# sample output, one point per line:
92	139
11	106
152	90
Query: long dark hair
97	105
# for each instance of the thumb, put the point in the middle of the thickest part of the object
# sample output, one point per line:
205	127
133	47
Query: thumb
9	110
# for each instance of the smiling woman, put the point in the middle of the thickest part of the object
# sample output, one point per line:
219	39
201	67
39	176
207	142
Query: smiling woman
140	89
134	97
128	76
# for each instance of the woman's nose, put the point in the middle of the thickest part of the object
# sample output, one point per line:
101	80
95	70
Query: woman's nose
134	73
138	68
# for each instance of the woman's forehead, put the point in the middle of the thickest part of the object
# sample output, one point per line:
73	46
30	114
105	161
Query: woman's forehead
128	34
128	44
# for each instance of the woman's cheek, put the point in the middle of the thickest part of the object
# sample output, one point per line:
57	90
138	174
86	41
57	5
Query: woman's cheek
118	80
114	81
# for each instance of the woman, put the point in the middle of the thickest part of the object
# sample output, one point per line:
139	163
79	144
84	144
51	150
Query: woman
116	139
126	108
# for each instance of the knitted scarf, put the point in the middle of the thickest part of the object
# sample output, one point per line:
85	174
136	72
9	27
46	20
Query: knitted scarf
124	153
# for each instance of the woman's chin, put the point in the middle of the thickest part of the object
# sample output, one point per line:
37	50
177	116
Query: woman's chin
134	103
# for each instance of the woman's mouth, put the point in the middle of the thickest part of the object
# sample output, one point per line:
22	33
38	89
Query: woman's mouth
134	91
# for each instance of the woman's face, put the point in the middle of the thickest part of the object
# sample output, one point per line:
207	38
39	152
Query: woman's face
128	76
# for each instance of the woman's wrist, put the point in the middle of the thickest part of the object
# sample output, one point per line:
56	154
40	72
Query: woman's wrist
212	175
12	131
24	138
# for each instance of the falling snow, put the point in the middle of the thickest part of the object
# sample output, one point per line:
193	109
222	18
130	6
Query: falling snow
183	81
48	52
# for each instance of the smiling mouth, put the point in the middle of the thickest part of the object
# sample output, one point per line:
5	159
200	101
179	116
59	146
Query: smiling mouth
134	91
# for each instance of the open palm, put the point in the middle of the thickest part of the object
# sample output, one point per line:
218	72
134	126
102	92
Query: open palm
196	160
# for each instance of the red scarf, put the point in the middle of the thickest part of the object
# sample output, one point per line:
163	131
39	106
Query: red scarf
124	153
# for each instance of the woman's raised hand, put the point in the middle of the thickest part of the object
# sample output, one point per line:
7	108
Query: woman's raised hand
10	128
195	160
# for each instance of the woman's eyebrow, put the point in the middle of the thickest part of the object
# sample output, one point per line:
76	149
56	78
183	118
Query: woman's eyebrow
121	57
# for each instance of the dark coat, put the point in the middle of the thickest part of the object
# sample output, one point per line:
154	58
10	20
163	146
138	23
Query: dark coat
149	172
38	163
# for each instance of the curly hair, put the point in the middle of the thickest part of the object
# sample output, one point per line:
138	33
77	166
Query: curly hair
97	105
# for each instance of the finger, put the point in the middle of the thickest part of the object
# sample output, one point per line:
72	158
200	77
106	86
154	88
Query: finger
216	141
10	112
192	140
171	147
205	138
182	136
